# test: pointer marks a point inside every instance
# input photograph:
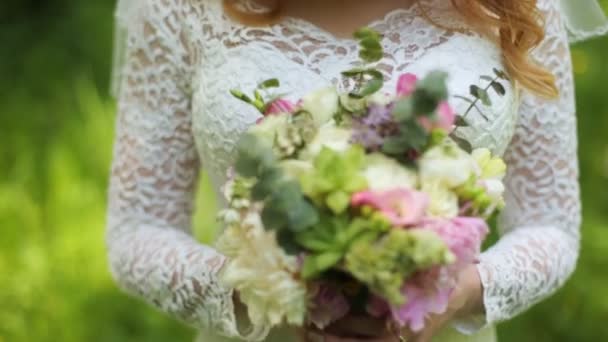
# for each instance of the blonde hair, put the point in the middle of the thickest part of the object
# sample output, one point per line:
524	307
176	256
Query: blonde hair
516	25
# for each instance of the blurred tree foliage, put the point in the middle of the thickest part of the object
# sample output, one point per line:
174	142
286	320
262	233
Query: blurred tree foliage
56	127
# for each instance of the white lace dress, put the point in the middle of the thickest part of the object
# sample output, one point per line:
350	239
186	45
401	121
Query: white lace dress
175	114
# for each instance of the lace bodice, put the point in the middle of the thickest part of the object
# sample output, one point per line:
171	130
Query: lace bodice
175	113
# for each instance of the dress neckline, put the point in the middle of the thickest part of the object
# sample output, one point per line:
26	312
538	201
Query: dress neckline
382	24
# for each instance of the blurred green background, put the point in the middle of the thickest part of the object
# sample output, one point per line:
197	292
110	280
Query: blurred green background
56	127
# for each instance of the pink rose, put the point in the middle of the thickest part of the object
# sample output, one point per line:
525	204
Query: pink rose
402	207
422	301
406	84
280	106
445	118
463	236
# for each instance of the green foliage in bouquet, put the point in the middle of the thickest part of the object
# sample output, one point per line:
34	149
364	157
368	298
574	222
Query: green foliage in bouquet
335	177
385	264
407	112
285	206
369	79
330	240
257	100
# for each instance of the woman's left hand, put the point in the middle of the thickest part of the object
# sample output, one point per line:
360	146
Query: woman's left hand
466	299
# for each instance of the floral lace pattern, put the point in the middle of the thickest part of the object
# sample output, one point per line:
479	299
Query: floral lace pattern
175	113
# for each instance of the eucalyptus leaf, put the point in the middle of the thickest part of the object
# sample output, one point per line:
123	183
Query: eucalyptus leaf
500	74
461	122
481	94
487	78
270	83
462	143
498	88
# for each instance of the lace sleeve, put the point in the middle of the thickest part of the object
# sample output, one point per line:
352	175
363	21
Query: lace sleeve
151	251
539	246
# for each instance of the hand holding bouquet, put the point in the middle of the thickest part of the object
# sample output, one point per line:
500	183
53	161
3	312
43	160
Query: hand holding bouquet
356	203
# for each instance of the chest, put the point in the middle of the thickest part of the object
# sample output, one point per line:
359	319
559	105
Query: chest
306	58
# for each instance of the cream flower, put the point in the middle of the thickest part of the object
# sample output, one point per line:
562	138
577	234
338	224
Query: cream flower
447	164
489	167
296	168
491	171
269	128
322	104
330	136
384	173
263	274
443	201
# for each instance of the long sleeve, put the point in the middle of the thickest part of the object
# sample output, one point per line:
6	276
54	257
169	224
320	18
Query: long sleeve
539	246
152	253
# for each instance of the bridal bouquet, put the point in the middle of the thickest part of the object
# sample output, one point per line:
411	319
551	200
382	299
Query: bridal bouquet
357	202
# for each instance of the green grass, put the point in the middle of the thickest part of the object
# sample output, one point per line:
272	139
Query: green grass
56	128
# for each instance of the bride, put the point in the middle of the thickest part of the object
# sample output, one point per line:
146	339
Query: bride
178	59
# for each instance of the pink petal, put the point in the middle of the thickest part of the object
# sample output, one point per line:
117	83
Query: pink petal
406	84
280	106
421	303
402	207
463	236
447	116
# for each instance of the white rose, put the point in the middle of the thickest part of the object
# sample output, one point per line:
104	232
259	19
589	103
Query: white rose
443	201
322	105
330	136
494	189
269	127
383	173
447	164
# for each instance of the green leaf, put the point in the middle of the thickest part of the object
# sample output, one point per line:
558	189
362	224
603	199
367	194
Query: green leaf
501	74
461	122
353	72
396	145
286	240
416	135
487	78
338	201
239	95
403	110
314	265
462	143
258	96
253	156
302	216
273	216
368	89
270	83
370	46
498	88
366	32
435	85
481	94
